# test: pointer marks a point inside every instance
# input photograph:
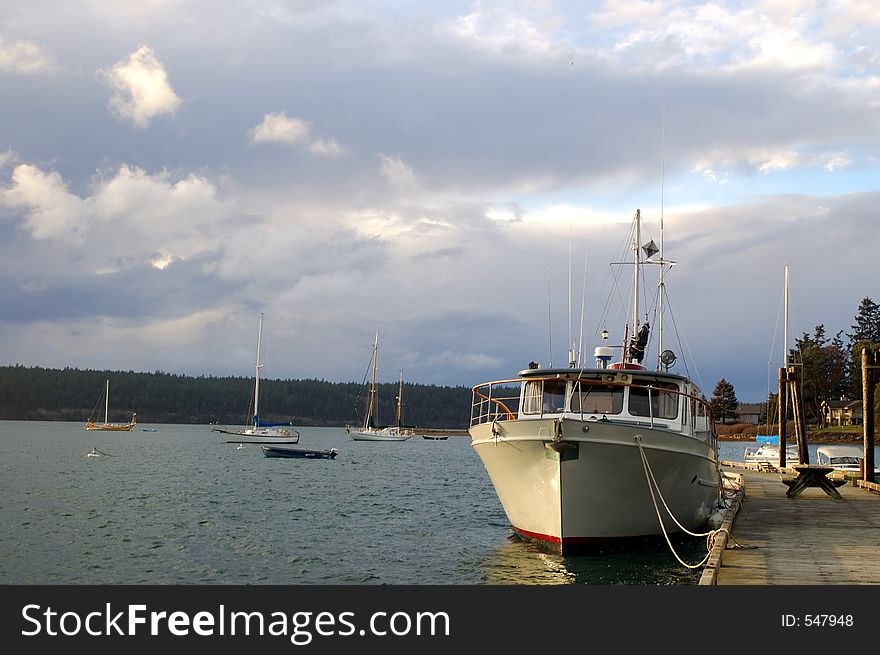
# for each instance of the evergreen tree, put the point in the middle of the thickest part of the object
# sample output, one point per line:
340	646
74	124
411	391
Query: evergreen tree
823	367
769	410
724	403
867	325
865	333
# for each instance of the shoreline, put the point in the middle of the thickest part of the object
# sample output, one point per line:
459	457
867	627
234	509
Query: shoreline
811	438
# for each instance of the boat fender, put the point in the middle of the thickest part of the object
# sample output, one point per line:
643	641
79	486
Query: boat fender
557	429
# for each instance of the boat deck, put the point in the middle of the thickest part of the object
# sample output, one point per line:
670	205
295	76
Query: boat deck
810	539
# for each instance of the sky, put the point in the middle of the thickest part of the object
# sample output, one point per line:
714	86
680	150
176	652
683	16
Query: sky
459	177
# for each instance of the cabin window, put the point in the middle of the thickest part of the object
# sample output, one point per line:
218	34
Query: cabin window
554	396
597	399
531	402
662	397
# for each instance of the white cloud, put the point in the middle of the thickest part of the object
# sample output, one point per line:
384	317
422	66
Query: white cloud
141	90
25	57
6	158
499	32
837	161
50	210
280	128
766	160
398	172
326	148
128	213
290	130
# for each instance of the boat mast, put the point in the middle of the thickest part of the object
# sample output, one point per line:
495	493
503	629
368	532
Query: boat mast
662	289
374	401
635	247
106	401
257	367
399	398
785	344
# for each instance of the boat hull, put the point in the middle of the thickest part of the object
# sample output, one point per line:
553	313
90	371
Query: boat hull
299	453
591	485
378	435
261	436
110	427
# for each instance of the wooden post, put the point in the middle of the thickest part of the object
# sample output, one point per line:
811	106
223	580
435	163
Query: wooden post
783	415
869	366
797	409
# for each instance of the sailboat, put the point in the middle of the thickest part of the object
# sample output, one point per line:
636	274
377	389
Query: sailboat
369	431
579	455
106	425
260	431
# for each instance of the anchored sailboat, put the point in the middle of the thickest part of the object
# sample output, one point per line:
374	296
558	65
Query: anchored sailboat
260	431
370	431
106	425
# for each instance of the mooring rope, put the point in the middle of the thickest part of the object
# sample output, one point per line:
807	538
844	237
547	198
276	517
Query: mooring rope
710	536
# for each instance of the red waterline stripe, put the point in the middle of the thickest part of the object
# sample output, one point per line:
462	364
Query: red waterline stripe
567	541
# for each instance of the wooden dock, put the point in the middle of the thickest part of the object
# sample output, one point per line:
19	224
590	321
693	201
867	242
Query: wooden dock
810	539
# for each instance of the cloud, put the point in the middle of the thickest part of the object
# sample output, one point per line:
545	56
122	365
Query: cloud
280	128
398	173
50	210
127	213
26	58
141	90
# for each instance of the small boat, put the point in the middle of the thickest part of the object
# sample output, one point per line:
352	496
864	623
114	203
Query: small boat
260	431
298	453
768	452
434	437
106	425
580	455
370	431
847	458
93	453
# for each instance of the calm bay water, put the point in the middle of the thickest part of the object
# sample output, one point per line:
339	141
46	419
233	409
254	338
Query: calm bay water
180	506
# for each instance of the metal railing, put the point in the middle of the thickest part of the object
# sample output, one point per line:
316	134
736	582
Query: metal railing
499	400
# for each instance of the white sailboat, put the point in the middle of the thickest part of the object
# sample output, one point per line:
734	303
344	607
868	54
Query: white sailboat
580	455
260	431
370	431
106	425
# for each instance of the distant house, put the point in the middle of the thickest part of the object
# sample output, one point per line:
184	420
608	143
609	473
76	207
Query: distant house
749	413
841	412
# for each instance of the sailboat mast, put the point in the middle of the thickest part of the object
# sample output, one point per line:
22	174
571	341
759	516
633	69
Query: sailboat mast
106	401
785	344
635	247
374	401
400	398
257	368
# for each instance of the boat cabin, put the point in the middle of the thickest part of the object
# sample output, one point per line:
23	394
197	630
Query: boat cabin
624	395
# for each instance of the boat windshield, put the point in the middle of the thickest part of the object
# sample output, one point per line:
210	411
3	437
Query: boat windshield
597	398
659	401
543	396
844	460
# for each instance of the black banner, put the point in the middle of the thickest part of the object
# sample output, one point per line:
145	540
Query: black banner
432	619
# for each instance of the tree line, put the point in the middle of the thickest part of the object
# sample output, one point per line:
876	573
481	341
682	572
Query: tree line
829	368
72	394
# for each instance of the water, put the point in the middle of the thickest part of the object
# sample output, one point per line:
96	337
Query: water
180	506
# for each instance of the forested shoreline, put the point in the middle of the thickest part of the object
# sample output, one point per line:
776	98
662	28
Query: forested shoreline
72	394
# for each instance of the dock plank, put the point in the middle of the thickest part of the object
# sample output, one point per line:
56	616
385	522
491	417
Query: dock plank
810	539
